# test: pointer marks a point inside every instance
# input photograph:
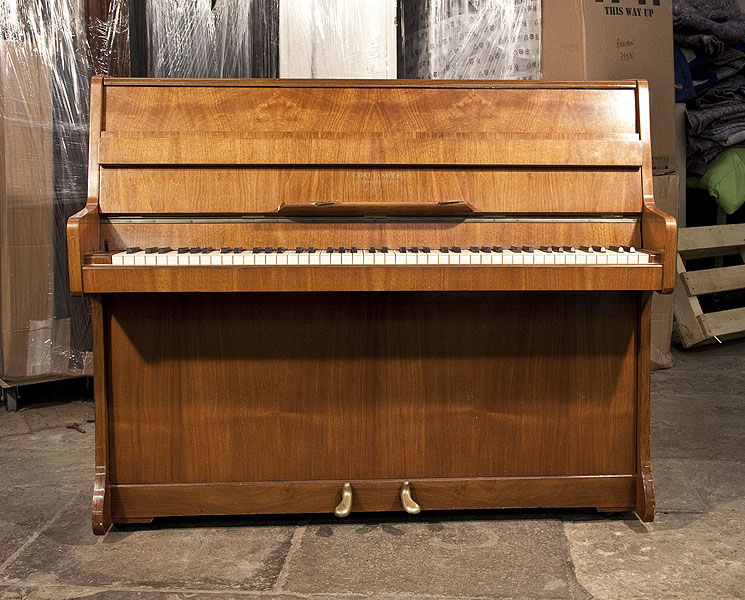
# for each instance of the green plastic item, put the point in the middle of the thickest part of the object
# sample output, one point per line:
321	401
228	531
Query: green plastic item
724	180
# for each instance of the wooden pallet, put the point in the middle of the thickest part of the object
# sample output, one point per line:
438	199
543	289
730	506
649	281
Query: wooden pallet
694	325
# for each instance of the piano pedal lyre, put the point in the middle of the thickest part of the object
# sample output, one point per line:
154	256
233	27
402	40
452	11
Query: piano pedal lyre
345	506
408	503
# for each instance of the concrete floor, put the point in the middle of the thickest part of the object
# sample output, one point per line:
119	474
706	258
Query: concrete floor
694	549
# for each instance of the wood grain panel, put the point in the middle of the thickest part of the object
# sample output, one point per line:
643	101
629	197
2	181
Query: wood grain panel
146	501
366	234
109	279
381	110
359	149
245	191
261	387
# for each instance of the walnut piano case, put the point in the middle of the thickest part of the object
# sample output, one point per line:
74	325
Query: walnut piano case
301	388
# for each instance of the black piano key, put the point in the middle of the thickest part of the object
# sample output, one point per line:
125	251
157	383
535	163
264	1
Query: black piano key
239	249
152	250
515	249
224	250
372	249
133	250
299	250
474	249
329	250
164	250
342	250
528	249
586	249
207	250
415	250
426	249
547	249
353	250
195	250
281	250
569	249
268	250
311	250
497	249
255	250
617	249
557	248
384	249
402	249
456	249
598	249
485	249
445	249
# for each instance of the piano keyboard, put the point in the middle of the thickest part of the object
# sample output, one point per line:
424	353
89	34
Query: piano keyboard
483	255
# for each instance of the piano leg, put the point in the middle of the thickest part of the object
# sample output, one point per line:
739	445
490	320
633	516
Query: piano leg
101	513
645	502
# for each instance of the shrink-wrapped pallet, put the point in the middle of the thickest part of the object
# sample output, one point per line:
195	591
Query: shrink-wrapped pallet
470	39
337	39
45	69
202	38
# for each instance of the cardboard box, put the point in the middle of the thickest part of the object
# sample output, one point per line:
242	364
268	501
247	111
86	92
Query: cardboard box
617	39
337	39
666	198
26	213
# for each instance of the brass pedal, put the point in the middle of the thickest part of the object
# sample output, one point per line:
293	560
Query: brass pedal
407	501
345	506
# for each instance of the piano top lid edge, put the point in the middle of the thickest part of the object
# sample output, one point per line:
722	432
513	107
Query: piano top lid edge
628	84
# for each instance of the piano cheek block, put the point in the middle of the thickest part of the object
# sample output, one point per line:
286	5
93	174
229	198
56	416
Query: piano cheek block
512	261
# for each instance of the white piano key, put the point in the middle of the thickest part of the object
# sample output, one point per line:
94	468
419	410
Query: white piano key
293	258
282	257
358	258
303	258
643	258
151	259
314	258
368	258
172	258
270	258
118	258
390	257
580	257
539	257
497	258
336	258
421	258
410	258
325	258
379	258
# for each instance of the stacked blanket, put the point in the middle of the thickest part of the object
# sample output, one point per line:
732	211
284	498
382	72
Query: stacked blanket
709	62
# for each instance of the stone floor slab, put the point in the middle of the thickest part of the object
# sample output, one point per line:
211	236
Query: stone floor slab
677	556
469	555
62	592
60	415
186	555
51	458
12	423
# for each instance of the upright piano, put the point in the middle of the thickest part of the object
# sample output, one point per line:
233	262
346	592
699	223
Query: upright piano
345	296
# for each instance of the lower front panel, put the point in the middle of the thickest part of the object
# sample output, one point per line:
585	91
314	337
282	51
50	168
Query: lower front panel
227	388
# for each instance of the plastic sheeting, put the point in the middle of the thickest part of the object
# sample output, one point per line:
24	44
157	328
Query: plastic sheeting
206	38
45	70
337	39
470	39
